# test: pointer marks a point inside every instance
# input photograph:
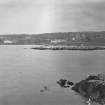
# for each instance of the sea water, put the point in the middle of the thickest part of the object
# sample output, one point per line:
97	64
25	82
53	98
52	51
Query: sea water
24	72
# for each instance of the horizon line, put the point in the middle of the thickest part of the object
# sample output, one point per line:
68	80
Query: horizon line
49	33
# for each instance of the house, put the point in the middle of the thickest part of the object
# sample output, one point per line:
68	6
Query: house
73	38
7	42
55	41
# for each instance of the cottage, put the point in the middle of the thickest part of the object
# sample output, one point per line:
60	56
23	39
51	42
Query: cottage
7	42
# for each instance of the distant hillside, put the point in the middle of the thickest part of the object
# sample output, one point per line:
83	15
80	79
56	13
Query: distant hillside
66	38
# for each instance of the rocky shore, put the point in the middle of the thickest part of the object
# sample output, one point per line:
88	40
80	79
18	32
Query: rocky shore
92	88
44	47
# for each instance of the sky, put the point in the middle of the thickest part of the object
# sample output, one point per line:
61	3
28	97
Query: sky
45	16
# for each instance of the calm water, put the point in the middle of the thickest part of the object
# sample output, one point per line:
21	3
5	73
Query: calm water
24	72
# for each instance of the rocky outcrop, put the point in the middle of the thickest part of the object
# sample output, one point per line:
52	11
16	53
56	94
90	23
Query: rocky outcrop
91	88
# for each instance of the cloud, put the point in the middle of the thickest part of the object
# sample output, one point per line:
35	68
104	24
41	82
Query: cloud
88	16
39	16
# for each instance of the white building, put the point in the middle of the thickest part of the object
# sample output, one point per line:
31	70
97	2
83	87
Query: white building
73	38
57	41
7	41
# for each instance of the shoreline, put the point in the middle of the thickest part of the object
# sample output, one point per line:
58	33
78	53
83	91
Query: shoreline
44	47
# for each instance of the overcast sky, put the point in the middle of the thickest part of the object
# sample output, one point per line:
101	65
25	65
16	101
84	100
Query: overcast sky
41	16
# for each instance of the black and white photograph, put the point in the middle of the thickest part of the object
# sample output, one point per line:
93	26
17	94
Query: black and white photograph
52	52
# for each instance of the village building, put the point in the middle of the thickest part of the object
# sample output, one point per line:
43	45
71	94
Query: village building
7	42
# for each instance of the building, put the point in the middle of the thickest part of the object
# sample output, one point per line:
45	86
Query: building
57	41
7	42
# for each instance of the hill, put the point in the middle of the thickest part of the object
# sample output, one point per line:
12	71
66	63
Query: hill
87	39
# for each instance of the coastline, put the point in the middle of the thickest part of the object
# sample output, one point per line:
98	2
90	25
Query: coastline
44	47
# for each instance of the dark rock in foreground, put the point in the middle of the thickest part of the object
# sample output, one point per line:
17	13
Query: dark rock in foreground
92	88
45	88
64	83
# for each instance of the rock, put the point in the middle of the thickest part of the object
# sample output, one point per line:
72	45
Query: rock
41	90
46	88
70	83
92	88
62	82
101	76
92	77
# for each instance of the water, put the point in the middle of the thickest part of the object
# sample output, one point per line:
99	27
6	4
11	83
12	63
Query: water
24	72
